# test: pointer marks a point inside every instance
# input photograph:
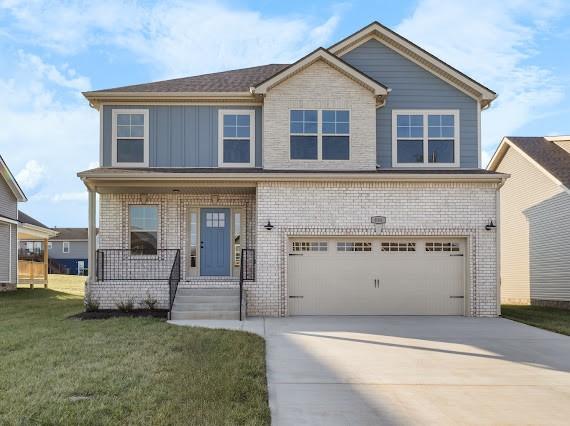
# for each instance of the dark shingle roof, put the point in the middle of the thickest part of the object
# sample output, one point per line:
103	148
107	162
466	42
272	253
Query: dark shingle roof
549	155
239	80
24	218
66	234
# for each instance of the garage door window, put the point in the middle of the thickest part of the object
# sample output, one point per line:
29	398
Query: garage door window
398	246
442	247
353	246
310	246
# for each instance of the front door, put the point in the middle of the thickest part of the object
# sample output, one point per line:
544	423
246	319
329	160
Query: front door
215	242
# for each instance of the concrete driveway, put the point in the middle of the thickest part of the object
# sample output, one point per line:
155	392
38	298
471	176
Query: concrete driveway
415	370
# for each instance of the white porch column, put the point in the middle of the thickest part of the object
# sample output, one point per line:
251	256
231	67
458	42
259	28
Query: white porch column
92	235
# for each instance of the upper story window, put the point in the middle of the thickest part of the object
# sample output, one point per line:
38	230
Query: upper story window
425	138
319	134
236	146
130	138
143	229
65	247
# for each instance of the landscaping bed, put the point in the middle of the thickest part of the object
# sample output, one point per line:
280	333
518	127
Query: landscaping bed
121	370
114	313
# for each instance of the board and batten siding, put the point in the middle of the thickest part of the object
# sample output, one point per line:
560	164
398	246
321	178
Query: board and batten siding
180	135
8	202
414	88
535	234
8	263
77	250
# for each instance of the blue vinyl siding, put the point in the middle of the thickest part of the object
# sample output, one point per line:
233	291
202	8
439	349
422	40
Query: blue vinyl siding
180	136
413	88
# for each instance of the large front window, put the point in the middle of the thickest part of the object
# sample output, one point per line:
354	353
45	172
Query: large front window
319	134
130	137
425	138
143	223
237	135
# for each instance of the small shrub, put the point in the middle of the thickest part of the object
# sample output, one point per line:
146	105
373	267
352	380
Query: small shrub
149	302
91	304
127	305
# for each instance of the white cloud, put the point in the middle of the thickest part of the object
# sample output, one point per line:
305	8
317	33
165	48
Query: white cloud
493	42
53	75
69	196
31	175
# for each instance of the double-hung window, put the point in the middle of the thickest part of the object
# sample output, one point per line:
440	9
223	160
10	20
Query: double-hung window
319	134
304	134
143	229
130	138
236	146
425	138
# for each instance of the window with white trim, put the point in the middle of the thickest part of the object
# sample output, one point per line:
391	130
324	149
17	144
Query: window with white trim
130	137
425	138
236	145
442	247
397	246
143	229
319	134
65	247
353	246
310	246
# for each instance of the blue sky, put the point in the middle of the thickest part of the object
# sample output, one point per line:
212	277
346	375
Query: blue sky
51	51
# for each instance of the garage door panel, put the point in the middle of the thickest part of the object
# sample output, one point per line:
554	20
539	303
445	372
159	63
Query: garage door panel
379	282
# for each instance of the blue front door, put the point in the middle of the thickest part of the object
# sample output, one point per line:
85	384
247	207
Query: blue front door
215	242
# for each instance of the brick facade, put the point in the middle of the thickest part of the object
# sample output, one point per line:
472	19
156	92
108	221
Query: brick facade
314	209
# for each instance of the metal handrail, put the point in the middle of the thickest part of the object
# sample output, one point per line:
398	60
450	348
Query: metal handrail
173	281
246	273
132	265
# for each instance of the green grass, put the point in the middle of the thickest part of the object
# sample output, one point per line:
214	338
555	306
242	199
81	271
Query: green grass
55	370
553	319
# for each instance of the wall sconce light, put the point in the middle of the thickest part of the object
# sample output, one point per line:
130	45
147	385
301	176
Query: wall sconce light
490	225
268	226
176	191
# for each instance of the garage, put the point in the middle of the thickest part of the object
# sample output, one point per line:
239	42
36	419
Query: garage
388	276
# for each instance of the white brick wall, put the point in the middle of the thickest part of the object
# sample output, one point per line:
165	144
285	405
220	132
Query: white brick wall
335	208
319	86
310	208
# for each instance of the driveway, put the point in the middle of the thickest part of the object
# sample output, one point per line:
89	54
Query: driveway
415	370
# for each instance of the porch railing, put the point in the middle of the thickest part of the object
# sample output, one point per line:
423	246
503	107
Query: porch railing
173	281
127	265
246	273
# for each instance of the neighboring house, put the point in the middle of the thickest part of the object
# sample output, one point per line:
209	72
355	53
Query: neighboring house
33	239
68	251
10	195
295	162
535	220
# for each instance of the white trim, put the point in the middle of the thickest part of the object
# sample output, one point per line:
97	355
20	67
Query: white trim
10	253
114	161
6	220
326	56
101	137
36	231
376	31
64	245
425	113
478	134
251	114
11	181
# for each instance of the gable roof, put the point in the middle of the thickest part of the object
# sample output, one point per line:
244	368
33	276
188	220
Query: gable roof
324	55
11	181
70	234
416	54
24	218
541	151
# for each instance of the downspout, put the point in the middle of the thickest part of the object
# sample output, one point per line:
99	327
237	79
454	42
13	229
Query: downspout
498	243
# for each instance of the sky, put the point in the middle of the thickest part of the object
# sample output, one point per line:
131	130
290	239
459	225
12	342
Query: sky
51	51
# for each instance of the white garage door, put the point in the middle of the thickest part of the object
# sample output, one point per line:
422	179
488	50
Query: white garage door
376	276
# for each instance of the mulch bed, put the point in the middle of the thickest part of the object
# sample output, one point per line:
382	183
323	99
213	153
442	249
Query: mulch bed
113	313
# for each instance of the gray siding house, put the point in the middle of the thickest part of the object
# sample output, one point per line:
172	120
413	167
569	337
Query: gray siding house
535	220
348	182
10	195
68	251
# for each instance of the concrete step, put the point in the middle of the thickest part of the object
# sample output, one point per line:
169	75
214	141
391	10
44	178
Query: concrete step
208	292
207	299
211	315
206	306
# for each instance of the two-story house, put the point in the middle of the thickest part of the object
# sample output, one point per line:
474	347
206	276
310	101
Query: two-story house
348	183
10	195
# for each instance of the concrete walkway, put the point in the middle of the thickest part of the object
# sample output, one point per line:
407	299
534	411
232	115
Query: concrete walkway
412	370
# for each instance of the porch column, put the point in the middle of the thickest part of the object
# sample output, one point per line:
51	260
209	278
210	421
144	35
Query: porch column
91	236
45	263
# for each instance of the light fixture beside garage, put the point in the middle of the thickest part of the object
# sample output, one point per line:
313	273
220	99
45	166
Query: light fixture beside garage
490	225
268	225
378	222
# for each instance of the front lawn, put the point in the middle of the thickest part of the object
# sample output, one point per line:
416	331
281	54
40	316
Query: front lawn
55	370
553	319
